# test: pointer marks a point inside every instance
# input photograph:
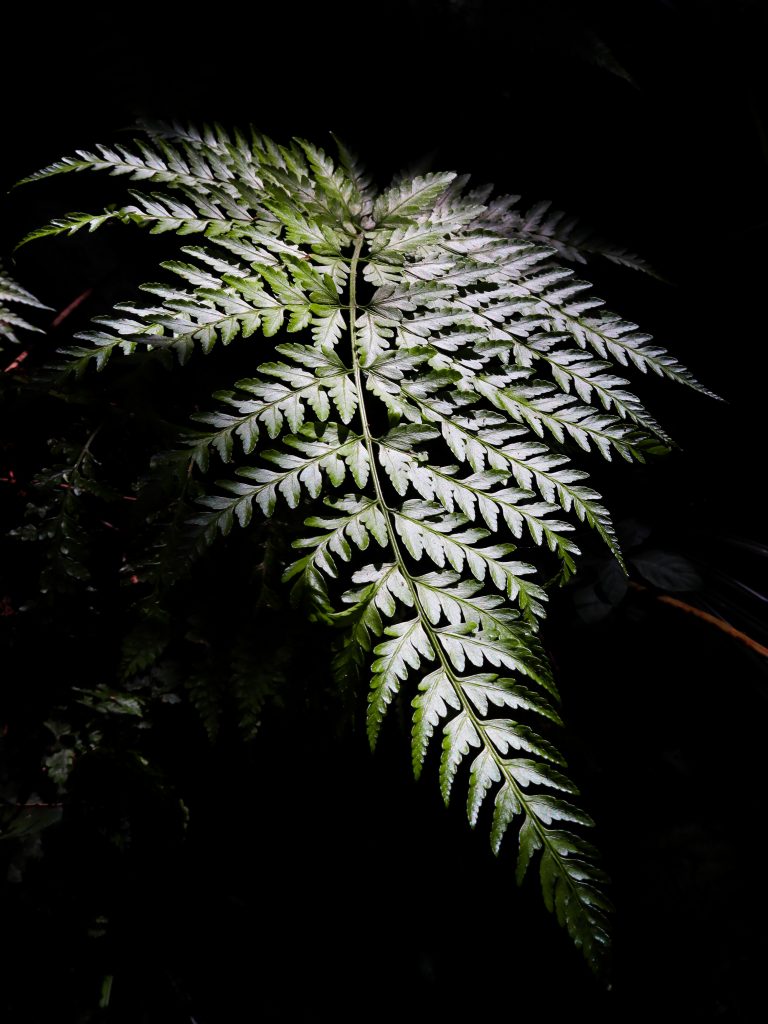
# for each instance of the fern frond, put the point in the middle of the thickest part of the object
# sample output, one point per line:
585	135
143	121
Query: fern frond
578	369
454	378
360	521
207	699
313	455
486	493
273	403
528	461
572	239
406	199
556	292
12	294
542	408
425	529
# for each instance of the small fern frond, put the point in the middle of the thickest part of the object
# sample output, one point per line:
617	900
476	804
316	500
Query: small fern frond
12	294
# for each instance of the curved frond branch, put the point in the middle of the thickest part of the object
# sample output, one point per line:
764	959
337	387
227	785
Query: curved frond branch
529	463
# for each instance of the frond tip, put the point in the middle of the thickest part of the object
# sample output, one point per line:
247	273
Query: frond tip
432	358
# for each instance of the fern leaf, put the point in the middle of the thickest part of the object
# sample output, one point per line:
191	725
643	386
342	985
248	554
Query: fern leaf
424	529
529	463
12	294
485	689
318	455
409	198
609	335
272	404
359	522
483	493
75	222
383	589
409	645
436	696
572	239
541	408
422	347
459	735
578	369
360	183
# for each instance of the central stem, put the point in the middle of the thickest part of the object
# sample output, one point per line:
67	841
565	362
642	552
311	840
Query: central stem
359	385
366	429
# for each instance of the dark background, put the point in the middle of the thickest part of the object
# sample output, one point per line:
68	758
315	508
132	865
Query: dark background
322	883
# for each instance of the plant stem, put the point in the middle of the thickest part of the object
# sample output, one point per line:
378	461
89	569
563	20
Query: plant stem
713	620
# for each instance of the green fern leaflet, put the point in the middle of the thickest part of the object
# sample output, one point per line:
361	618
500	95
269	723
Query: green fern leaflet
437	381
13	295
